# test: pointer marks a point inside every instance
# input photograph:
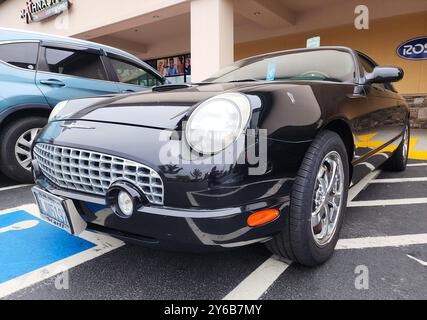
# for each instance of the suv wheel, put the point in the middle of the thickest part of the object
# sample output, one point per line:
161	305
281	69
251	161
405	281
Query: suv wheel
318	203
15	151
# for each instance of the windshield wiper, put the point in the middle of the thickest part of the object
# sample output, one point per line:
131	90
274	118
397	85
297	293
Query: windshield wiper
243	80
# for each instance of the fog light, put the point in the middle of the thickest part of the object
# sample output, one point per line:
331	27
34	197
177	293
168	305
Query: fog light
125	203
262	217
125	199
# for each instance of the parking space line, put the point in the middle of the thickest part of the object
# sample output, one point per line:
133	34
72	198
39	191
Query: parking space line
259	281
15	187
103	244
30	208
399	180
356	189
382	242
387	202
417	164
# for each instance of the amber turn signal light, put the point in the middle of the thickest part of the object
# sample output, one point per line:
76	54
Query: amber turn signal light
262	217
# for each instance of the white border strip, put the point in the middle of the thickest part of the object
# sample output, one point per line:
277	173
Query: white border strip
424	164
388	202
30	208
382	242
399	180
258	282
15	187
104	244
359	187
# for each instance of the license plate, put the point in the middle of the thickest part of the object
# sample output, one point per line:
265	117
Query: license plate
53	209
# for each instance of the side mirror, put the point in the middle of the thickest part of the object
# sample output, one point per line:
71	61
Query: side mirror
385	75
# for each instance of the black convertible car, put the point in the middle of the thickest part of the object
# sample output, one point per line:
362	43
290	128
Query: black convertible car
264	151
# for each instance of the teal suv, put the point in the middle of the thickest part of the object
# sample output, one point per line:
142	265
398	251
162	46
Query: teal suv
38	71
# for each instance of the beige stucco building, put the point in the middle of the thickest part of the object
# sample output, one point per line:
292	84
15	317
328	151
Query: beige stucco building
217	32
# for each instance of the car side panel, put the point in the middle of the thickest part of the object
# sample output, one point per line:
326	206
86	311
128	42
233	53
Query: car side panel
17	87
380	128
298	113
73	87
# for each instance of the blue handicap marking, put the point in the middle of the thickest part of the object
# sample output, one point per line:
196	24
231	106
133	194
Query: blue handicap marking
28	243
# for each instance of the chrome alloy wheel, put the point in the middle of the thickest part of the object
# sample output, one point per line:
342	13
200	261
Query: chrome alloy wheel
327	198
406	143
23	147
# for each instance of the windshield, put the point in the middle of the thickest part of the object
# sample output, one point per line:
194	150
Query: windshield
323	65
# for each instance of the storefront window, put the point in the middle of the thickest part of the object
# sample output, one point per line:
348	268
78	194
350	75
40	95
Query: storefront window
176	69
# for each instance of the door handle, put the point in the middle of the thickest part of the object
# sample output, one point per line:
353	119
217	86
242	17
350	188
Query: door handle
53	83
128	91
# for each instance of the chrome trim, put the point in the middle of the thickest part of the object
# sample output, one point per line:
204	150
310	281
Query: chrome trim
93	172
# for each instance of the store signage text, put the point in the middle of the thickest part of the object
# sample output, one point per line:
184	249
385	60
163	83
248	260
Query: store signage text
415	49
36	11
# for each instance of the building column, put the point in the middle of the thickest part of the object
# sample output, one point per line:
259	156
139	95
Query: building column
212	37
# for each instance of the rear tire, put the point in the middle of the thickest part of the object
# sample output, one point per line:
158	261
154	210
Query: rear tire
12	163
398	161
300	239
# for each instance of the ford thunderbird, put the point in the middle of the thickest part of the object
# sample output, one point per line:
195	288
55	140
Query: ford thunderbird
264	151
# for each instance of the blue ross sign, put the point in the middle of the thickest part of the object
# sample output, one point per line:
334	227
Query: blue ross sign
415	49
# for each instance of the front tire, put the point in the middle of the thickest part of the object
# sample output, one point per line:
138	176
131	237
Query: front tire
16	140
318	204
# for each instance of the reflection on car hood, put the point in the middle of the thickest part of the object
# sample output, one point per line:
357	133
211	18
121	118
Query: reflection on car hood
162	110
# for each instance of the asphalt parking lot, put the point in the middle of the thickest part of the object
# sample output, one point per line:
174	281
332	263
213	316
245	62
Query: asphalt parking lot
382	254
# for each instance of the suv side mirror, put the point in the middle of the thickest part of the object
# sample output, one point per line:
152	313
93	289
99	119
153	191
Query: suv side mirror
385	75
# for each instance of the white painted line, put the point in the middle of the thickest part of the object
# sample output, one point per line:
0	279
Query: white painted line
382	242
421	262
424	164
258	282
357	188
15	187
104	244
30	208
399	180
388	202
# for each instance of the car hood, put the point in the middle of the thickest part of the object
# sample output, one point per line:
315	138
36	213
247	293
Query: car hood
162	110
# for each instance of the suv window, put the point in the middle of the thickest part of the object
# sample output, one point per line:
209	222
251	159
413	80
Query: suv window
132	74
75	63
22	55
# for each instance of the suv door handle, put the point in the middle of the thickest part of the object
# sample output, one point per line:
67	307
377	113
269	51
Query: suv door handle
53	83
128	91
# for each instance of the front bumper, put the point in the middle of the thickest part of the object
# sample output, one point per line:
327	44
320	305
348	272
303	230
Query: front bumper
177	229
206	206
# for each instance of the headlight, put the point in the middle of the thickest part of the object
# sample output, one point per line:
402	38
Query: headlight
54	115
218	122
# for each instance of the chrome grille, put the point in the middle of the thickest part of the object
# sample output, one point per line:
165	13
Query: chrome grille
94	172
